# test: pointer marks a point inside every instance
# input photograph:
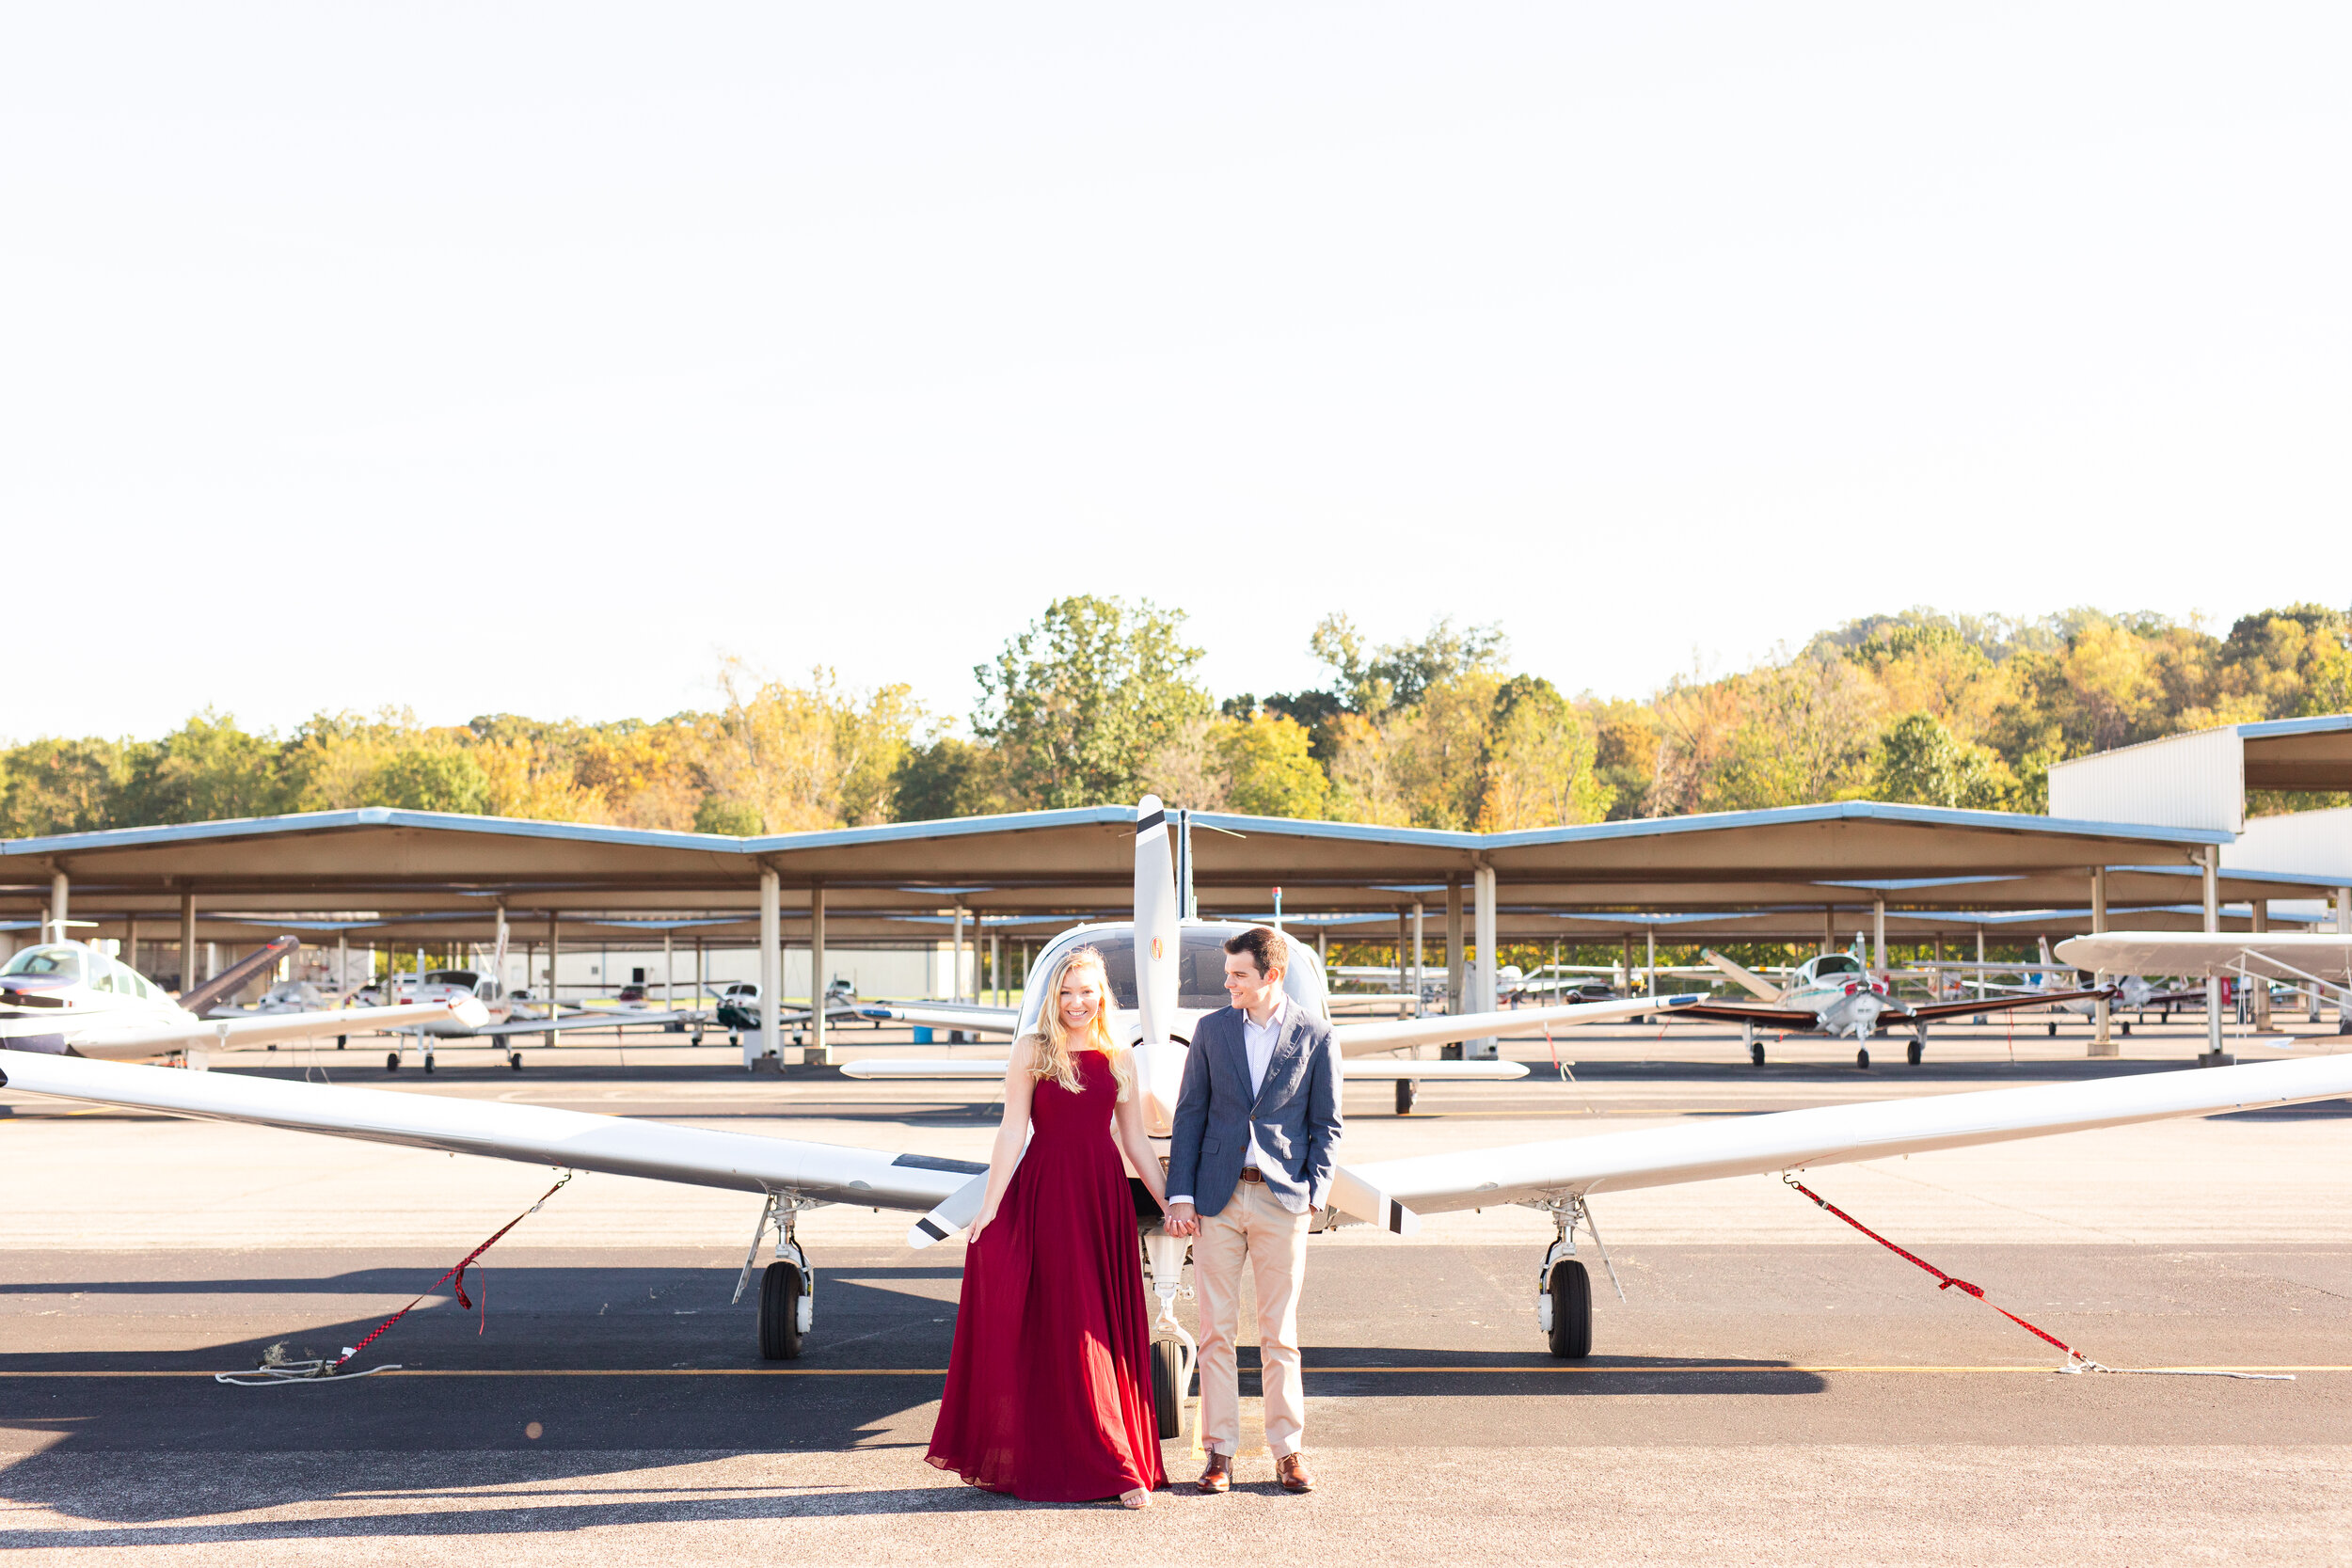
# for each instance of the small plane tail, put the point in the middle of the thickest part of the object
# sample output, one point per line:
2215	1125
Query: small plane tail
232	979
1756	984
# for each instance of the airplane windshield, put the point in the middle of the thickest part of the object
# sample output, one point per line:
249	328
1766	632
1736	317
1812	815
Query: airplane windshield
1837	963
464	977
63	964
1200	971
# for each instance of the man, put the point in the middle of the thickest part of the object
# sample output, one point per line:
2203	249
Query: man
1249	1162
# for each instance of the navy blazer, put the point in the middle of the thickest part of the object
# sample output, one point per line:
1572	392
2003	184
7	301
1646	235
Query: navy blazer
1295	1114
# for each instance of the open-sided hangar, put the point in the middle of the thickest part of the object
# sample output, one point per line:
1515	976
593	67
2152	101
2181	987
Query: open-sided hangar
397	877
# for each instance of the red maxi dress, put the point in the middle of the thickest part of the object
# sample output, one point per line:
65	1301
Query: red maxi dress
1049	1386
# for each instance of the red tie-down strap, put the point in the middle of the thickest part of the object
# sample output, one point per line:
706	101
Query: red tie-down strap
458	1274
2076	1360
1946	1282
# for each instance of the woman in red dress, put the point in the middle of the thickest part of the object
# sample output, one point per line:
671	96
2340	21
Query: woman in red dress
1049	1386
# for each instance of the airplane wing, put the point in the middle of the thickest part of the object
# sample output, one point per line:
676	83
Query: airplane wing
1357	1039
945	1015
1359	1068
267	1028
2281	956
1928	1011
614	1019
536	1134
1750	1012
1832	1134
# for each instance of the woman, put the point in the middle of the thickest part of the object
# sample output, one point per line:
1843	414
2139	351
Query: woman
1049	1386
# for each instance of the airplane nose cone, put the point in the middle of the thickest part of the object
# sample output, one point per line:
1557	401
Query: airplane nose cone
1159	1076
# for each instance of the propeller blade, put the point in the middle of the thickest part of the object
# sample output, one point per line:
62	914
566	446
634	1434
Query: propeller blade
1159	1062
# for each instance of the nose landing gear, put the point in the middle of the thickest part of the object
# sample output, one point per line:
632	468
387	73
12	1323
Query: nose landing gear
1563	1289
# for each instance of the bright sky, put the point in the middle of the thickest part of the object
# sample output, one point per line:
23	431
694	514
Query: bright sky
526	357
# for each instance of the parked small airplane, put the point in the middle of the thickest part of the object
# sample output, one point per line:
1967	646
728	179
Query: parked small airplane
1556	1179
69	998
1836	995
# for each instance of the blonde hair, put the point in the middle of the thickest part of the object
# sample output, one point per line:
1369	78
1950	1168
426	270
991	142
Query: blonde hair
1057	1052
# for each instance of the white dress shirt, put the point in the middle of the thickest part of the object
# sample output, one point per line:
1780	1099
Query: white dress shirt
1258	1041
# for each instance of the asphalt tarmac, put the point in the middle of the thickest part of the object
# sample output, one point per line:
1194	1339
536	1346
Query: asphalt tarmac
1773	1388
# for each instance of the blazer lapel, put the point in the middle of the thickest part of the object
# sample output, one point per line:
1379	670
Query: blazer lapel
1236	1047
1292	1042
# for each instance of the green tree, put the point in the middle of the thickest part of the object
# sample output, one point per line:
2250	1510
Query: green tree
433	779
1270	766
60	787
1921	761
203	771
1080	703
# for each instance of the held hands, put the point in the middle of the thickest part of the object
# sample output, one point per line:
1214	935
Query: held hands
1181	1220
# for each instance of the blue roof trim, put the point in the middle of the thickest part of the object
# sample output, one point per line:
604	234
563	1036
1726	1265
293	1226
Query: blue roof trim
953	827
371	816
895	833
1852	811
1895	884
2294	879
2270	729
1300	827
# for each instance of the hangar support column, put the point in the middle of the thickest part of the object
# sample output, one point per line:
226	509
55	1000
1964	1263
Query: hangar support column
130	940
1453	943
57	889
818	1052
2213	1055
2261	987
1483	890
2102	1043
555	949
1877	933
1417	951
188	942
771	974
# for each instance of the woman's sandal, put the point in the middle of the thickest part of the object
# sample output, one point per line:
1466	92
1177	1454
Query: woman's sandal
1137	1498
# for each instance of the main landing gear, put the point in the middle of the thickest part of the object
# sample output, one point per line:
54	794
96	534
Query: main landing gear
787	1288
1756	1047
1918	1047
1563	1291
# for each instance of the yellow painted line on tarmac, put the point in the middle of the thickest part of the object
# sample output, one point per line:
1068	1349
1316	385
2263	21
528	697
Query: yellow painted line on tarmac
1381	1371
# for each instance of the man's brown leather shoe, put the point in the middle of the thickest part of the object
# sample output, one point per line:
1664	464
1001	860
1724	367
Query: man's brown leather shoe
1291	1470
1218	1477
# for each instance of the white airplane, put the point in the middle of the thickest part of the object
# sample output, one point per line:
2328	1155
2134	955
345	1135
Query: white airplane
2317	958
1836	995
71	998
1196	957
1557	1178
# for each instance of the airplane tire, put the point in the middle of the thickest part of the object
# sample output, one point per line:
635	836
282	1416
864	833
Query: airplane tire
779	1313
338	1041
392	1061
2054	1031
1571	1311
514	1060
1406	1090
428	1064
1168	1401
1915	1052
1862	1058
1756	1053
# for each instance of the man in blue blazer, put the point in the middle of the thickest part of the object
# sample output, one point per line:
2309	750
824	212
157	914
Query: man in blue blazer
1249	1162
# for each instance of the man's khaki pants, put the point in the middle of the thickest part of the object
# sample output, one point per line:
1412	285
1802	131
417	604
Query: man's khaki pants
1253	1224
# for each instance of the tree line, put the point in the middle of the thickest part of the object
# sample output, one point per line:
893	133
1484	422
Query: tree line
1100	700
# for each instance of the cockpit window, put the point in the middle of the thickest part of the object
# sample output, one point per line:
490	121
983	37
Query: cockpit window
52	961
1839	963
462	978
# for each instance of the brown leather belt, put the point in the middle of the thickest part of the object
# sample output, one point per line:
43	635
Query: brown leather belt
1251	1172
